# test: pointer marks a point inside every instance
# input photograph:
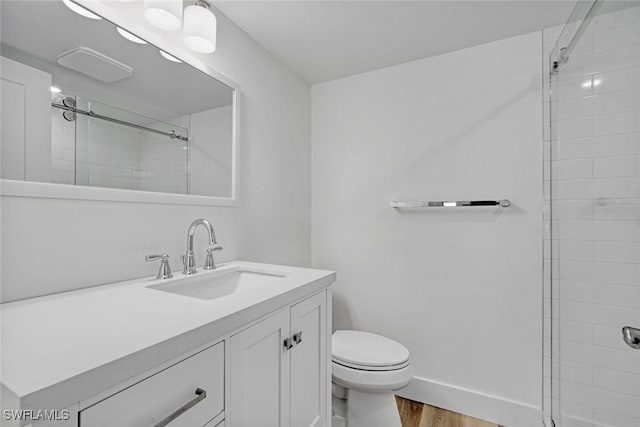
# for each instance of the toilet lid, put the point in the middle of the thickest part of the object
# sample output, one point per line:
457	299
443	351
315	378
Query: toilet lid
357	348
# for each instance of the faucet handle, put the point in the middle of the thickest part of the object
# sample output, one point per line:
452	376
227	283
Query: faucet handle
165	270
210	263
155	257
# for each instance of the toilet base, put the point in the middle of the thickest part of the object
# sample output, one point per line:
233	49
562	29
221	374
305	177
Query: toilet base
372	409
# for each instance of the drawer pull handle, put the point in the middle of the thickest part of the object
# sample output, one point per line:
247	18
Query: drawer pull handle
200	396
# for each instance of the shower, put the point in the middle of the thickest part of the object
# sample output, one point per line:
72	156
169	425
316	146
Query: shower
592	217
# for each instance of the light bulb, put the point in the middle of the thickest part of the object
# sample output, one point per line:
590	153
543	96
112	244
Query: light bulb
168	57
164	14
80	10
200	26
127	35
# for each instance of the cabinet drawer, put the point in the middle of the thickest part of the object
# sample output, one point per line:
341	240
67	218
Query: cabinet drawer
151	400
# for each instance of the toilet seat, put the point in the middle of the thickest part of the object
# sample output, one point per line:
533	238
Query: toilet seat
380	381
368	352
370	368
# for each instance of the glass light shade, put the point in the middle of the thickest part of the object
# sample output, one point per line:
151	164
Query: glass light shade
127	35
80	10
168	57
199	30
164	14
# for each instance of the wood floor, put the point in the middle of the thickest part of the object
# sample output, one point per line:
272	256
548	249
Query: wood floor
415	414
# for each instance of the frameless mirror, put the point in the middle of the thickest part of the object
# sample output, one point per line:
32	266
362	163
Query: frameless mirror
86	103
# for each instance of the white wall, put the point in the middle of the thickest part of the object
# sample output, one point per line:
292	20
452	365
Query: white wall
462	288
53	245
595	248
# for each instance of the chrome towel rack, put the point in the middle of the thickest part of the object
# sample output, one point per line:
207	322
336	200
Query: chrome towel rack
504	203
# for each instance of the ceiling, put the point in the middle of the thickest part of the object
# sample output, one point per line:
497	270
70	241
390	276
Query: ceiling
325	40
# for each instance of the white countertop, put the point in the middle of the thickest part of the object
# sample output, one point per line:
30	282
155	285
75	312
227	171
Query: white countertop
62	348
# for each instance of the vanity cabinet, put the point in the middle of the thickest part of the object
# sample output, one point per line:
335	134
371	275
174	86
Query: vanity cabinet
261	354
278	369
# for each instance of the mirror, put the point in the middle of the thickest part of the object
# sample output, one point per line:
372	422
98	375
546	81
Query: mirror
85	103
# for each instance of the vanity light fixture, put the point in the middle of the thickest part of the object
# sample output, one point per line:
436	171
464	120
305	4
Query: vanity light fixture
168	57
55	89
164	14
127	35
199	29
80	10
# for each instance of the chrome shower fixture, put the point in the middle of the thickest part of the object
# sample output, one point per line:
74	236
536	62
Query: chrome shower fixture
69	115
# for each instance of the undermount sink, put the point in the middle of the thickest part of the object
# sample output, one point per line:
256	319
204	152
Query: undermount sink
215	284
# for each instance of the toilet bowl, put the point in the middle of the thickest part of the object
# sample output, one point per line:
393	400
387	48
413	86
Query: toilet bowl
366	370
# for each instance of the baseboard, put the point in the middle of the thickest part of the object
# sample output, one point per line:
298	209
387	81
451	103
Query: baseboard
495	409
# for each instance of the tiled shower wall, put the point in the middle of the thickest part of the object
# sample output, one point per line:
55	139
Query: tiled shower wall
63	149
93	152
97	153
163	164
592	219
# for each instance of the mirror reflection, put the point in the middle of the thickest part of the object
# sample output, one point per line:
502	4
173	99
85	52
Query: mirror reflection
84	102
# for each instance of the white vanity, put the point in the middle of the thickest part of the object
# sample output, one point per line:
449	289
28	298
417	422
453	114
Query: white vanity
246	344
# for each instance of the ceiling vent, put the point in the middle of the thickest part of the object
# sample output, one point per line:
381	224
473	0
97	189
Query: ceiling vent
95	64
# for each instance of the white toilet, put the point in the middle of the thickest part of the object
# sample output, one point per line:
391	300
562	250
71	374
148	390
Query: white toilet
367	369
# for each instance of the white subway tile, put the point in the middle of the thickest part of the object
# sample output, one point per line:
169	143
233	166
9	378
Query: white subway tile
577	271
623	382
616	187
615	123
622	252
614	145
572	209
618	80
576	373
615	273
575	128
572	229
574	331
618	166
576	250
620	403
572	169
603	418
628	296
576	291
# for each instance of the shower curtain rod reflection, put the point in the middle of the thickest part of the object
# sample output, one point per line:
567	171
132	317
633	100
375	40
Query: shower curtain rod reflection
172	134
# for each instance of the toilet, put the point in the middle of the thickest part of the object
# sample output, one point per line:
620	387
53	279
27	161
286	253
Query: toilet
366	370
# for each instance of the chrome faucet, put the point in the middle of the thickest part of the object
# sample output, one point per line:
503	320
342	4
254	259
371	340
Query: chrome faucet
188	259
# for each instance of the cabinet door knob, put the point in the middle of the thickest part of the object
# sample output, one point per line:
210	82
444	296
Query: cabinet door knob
297	337
288	344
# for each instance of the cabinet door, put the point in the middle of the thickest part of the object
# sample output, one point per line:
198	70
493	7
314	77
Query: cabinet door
259	375
25	113
309	362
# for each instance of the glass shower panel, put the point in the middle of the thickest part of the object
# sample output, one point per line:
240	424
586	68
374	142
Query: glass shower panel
116	148
593	187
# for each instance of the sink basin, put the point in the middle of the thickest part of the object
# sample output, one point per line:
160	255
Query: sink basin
215	284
